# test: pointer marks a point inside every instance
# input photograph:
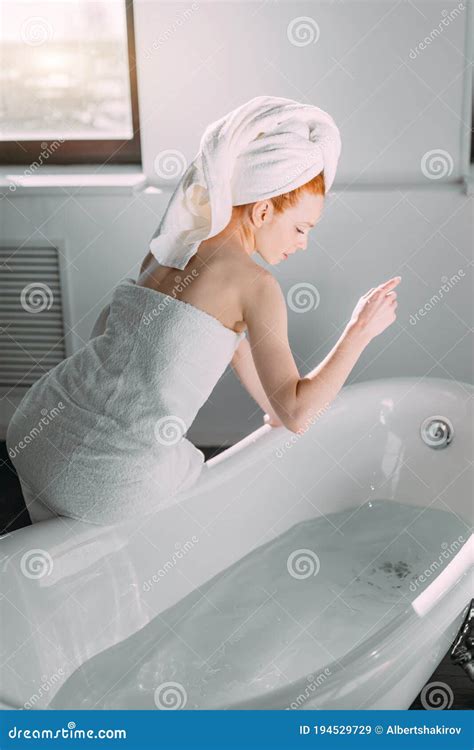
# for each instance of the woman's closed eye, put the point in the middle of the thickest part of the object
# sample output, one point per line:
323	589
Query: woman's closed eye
299	230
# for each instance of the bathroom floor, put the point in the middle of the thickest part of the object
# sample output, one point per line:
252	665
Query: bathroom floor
14	515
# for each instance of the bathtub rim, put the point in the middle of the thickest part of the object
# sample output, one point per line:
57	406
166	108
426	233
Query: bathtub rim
244	445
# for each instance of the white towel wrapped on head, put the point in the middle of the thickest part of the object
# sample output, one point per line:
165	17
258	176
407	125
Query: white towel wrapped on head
267	146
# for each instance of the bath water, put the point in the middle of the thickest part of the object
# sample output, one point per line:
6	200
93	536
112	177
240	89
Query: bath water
284	611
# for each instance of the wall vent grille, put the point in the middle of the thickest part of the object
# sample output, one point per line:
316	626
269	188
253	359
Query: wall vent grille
31	314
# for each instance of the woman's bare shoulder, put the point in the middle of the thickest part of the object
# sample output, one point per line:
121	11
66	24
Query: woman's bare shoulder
262	295
232	281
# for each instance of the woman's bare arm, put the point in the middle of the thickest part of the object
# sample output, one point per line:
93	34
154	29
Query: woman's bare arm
296	400
266	317
244	367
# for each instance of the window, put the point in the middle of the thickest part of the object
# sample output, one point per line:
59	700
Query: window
68	82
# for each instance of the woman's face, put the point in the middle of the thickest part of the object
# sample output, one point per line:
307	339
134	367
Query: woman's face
277	236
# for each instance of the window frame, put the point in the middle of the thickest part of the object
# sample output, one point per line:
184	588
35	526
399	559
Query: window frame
88	151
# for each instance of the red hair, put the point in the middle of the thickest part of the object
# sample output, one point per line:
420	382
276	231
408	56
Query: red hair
315	186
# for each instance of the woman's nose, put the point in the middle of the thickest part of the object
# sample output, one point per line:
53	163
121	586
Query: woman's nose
303	244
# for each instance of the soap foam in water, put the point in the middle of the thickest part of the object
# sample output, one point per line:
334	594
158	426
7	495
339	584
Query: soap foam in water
282	612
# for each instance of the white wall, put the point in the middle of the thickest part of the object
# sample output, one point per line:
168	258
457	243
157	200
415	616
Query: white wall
392	100
385	216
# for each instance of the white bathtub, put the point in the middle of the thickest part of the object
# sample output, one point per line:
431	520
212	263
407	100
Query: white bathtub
73	590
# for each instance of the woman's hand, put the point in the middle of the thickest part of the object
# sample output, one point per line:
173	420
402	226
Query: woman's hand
272	420
375	310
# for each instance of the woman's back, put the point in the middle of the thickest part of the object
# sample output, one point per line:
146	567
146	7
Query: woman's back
215	280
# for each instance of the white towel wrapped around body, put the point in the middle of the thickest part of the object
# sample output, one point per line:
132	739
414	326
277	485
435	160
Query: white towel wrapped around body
113	445
264	148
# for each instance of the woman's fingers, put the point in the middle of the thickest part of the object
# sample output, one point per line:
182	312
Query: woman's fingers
383	288
391	283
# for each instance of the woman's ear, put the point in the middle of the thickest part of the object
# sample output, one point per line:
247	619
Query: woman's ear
262	211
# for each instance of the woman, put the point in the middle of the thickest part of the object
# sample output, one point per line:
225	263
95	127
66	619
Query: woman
113	442
229	285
